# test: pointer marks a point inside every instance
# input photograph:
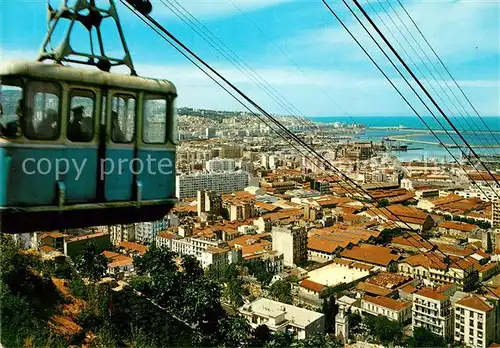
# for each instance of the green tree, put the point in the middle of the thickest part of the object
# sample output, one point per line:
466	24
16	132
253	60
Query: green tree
281	291
330	310
90	263
489	244
281	339
388	233
354	320
386	331
28	297
258	269
261	336
317	340
383	203
236	331
423	337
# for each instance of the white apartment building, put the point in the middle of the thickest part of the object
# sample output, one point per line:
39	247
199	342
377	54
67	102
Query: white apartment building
484	192
283	317
207	251
224	182
220	165
475	322
495	215
292	242
121	233
432	310
388	307
247	229
146	231
164	239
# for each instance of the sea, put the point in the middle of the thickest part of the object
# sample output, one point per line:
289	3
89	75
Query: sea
484	131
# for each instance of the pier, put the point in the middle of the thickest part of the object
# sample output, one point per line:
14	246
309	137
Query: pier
408	138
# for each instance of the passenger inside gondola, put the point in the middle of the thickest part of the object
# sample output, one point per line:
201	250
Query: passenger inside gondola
10	127
78	129
117	134
47	129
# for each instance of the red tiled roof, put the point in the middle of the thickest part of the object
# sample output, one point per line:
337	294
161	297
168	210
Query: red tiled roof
167	235
372	254
476	303
409	289
459	226
429	293
47	249
387	302
87	236
310	285
373	289
134	247
52	235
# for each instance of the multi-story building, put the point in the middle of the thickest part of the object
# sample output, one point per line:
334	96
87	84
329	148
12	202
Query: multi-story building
283	186
433	269
121	233
292	242
456	229
206	250
248	167
224	182
272	259
495	215
432	310
210	133
220	165
475	322
164	239
484	192
322	186
281	317
241	211
208	202
392	309
145	232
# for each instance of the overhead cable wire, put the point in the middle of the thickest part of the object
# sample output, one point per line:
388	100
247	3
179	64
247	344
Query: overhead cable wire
471	128
159	27
397	89
298	140
415	78
284	53
233	58
447	71
380	69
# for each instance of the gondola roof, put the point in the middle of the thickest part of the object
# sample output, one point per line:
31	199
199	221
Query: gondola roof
87	76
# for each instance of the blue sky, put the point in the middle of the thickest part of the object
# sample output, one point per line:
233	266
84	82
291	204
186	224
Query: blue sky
299	49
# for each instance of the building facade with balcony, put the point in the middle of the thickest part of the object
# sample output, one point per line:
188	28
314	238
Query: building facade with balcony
475	322
432	310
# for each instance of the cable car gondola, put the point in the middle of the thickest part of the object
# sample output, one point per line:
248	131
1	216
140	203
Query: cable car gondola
81	147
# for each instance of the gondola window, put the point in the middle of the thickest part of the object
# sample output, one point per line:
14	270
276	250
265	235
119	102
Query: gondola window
81	116
155	118
123	118
42	115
